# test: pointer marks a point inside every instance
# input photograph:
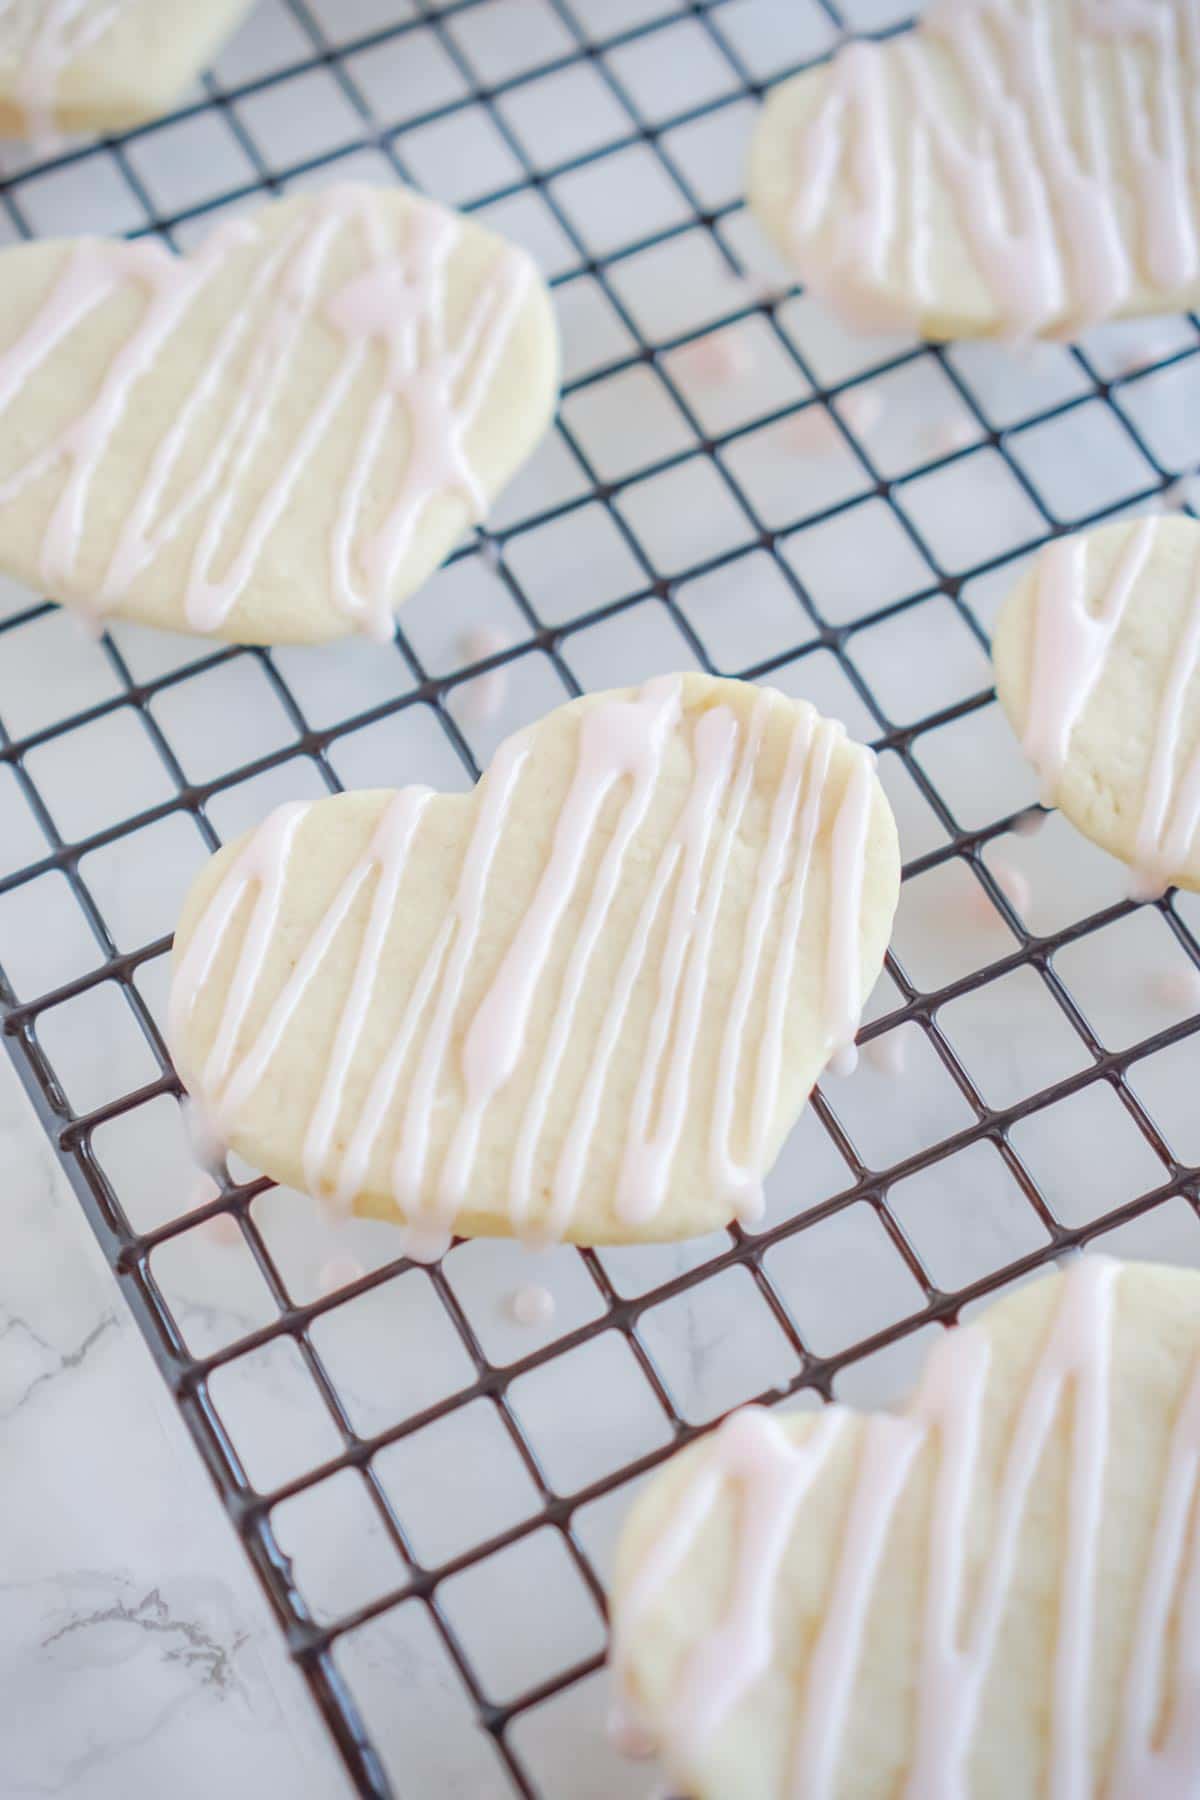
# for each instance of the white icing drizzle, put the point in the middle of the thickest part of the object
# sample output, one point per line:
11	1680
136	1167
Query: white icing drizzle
858	98
770	1474
262	864
1070	644
1152	1763
618	739
622	752
889	1447
954	1662
1069	648
650	1145
388	853
1031	168
430	385
46	38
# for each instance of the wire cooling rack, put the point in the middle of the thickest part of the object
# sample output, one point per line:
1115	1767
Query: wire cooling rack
429	1493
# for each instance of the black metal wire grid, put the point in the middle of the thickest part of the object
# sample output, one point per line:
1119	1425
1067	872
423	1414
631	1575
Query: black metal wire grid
574	35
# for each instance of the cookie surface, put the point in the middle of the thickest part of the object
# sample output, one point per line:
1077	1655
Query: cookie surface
276	438
585	1001
1011	168
102	65
995	1596
1097	656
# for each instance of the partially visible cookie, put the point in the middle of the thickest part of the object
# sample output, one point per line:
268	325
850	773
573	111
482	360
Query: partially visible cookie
275	438
102	65
1011	168
586	1001
1097	655
995	1596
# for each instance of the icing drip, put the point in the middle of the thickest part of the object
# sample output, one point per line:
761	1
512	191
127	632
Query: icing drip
431	384
887	1054
1030	165
49	36
770	1474
532	1305
621	757
480	699
340	1270
1070	646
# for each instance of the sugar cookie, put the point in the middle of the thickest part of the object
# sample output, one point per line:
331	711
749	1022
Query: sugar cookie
277	437
101	65
585	1001
995	1596
1011	168
1097	655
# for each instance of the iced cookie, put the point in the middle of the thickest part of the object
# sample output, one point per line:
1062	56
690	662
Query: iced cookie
1097	655
585	1001
277	437
995	1596
101	65
1010	168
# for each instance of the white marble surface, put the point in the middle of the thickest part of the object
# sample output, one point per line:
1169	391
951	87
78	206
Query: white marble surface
137	1656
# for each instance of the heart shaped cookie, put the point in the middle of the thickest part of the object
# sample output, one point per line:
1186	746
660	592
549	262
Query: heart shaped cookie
1097	655
276	438
585	1001
1011	168
101	65
996	1594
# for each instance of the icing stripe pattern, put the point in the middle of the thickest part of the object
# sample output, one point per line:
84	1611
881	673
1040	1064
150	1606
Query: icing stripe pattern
750	1453
432	384
1070	645
622	747
46	37
1030	164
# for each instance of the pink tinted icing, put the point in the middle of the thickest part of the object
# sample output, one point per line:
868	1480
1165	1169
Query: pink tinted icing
532	1305
1070	646
621	760
771	1473
46	44
480	699
339	1271
429	386
1035	190
1070	643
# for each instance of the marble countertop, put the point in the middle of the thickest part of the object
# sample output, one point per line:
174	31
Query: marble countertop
137	1655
